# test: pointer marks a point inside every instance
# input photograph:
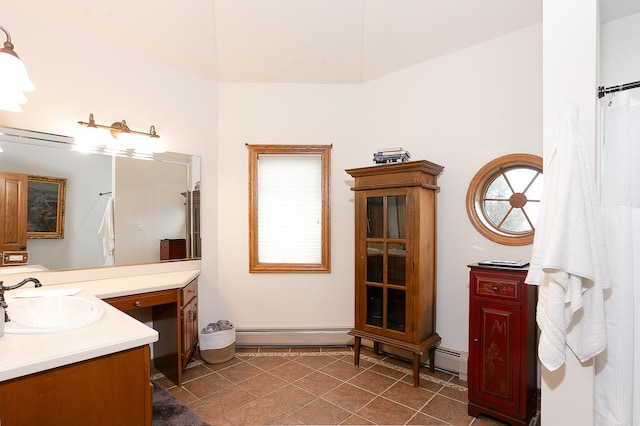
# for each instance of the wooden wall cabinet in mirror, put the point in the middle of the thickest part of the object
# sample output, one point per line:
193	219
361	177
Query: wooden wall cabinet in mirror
395	257
13	213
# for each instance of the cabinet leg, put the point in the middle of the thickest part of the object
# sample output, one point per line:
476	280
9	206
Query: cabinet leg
376	348
356	351
416	370
432	359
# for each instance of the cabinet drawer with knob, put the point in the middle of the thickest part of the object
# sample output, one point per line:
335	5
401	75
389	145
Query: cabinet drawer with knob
189	292
142	300
496	285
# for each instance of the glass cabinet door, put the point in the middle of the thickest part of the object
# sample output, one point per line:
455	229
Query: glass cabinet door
386	262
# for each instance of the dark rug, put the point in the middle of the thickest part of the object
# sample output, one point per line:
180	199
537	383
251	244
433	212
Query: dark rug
168	411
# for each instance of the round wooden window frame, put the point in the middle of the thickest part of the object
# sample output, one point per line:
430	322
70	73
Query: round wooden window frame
477	187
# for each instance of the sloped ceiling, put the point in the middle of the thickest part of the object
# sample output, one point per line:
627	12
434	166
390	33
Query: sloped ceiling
292	41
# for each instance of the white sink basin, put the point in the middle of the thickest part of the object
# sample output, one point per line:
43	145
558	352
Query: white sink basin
52	314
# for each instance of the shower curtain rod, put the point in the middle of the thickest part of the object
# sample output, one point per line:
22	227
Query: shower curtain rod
619	88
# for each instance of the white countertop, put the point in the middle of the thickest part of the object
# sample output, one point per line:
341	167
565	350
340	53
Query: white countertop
22	354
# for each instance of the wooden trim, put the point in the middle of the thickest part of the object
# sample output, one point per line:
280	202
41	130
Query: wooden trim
255	266
477	186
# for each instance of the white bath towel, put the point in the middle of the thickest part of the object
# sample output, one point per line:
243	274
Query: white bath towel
108	234
566	261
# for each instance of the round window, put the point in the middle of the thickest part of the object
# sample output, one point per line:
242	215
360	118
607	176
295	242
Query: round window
503	198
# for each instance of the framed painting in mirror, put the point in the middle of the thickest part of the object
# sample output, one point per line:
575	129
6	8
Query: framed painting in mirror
45	206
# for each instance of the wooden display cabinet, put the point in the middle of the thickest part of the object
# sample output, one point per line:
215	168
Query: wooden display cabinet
502	344
395	258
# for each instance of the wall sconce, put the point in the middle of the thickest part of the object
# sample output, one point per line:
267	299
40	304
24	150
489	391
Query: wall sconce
123	138
15	80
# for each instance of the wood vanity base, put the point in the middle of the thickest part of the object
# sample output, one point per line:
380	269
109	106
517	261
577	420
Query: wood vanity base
175	317
109	390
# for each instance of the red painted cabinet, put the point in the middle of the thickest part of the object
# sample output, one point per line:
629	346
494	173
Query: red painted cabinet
502	344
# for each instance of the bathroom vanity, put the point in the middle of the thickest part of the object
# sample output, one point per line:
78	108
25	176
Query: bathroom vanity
108	390
175	317
99	374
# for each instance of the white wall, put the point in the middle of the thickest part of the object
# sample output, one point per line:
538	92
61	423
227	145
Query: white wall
570	75
286	114
619	61
461	111
75	77
149	207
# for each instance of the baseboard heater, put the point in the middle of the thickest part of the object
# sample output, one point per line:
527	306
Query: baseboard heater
446	359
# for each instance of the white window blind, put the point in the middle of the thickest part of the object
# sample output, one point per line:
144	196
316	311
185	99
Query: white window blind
290	208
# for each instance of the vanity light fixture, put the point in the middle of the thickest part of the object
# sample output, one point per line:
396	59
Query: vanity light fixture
15	80
123	138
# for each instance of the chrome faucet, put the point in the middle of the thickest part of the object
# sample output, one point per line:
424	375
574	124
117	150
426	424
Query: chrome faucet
3	302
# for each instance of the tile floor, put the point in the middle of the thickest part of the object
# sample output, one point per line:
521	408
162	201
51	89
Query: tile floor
312	385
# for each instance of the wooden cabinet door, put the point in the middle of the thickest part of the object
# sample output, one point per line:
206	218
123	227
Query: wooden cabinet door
495	355
384	282
13	211
189	329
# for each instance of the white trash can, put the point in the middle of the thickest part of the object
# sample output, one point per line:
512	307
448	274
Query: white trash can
218	346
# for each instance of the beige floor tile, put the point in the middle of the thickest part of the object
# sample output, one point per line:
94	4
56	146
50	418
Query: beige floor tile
258	412
290	398
409	395
209	413
457	394
207	385
385	412
318	383
291	371
349	397
183	395
224	401
239	372
223	365
387	371
423	419
316	362
425	383
263	384
449	410
342	370
320	412
487	421
356	420
373	382
267	362
195	372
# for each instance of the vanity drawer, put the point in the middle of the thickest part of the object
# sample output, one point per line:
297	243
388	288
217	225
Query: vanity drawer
143	300
188	292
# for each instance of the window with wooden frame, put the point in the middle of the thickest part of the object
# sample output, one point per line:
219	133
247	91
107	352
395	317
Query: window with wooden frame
503	198
289	208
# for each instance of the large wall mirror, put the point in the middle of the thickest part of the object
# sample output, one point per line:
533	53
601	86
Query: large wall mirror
155	214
